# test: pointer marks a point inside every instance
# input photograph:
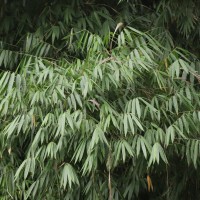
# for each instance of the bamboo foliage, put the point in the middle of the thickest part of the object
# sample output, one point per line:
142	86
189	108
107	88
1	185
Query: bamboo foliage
68	116
82	120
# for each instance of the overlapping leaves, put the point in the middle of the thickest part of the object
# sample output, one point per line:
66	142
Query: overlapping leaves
61	120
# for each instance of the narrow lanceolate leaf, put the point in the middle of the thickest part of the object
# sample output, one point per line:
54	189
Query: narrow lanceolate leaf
78	99
131	125
175	104
61	123
19	170
125	122
69	119
27	167
137	122
196	153
4	80
138	109
28	193
11	82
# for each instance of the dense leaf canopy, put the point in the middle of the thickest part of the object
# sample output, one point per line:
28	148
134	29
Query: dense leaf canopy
99	100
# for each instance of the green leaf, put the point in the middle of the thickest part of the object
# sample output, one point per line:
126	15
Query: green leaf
137	122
